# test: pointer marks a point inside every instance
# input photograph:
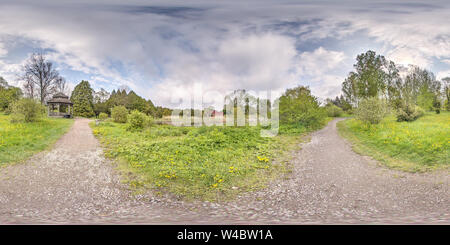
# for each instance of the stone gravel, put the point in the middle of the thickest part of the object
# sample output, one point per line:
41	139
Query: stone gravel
330	184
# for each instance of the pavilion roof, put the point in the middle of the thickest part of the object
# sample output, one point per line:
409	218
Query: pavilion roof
60	98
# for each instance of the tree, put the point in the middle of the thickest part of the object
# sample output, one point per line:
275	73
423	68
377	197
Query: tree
341	102
100	105
131	101
61	86
8	94
40	77
371	110
374	76
119	114
82	99
421	88
3	83
446	91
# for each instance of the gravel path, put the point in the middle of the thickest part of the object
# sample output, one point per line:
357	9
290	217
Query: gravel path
74	183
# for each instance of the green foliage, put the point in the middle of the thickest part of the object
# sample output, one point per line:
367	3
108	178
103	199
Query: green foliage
333	111
446	92
371	110
137	120
131	101
18	141
437	106
82	100
425	100
103	116
8	95
340	102
119	114
373	76
414	146
409	113
298	106
26	110
162	112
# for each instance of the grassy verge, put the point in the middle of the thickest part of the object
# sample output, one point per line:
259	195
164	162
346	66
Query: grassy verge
18	141
416	146
206	163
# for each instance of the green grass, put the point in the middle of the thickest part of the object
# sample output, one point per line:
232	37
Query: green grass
207	163
416	146
18	141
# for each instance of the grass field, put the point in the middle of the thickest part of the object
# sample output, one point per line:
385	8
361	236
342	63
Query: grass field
18	141
208	163
410	146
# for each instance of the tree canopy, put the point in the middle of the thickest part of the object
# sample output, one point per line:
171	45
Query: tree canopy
83	100
8	94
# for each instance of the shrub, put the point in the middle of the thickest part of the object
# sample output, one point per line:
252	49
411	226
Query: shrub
333	110
371	110
26	110
437	106
103	116
137	120
298	106
409	113
119	114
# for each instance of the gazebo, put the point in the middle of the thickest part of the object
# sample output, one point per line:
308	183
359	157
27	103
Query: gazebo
62	104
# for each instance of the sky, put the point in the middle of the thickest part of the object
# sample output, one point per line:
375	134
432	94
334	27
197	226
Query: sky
163	49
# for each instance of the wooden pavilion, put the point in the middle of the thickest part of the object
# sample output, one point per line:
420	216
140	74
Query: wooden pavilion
60	106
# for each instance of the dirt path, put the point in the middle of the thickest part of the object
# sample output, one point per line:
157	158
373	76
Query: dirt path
73	183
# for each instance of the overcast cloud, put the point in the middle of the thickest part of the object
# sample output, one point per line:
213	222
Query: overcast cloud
162	48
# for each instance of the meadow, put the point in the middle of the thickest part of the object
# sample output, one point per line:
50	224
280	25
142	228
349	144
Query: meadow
18	141
208	163
416	146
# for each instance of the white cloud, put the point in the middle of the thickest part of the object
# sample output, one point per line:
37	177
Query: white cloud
3	50
320	61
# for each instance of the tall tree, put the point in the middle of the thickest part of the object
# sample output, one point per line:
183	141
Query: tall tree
374	76
446	90
83	100
40	77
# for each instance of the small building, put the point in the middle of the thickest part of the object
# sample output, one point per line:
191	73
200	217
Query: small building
60	106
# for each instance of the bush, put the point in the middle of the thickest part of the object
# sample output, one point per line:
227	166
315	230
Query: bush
333	110
437	106
26	110
103	116
137	120
298	106
371	110
119	114
409	113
